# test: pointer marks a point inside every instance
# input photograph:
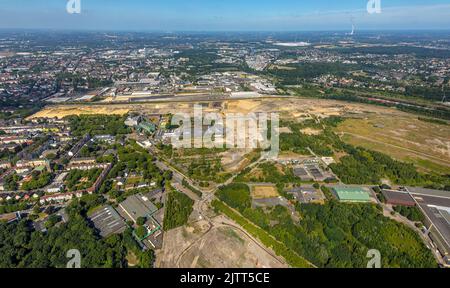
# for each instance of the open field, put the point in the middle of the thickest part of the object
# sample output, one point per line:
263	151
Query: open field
63	111
263	191
310	131
6	54
286	107
182	248
279	67
177	240
387	130
403	137
235	251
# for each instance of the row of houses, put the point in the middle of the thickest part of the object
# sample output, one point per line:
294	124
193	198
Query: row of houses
77	147
62	197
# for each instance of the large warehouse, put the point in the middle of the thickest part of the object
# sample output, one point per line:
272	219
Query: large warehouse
351	194
398	198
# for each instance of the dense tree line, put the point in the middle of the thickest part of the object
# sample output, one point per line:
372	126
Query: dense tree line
382	50
177	211
362	166
206	169
10	182
13	206
335	234
23	247
297	72
133	159
82	179
298	142
412	213
94	83
432	93
38	181
98	125
236	195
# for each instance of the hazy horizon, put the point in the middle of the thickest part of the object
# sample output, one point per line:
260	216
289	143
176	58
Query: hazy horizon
229	16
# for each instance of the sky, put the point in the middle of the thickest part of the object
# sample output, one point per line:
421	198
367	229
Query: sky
225	15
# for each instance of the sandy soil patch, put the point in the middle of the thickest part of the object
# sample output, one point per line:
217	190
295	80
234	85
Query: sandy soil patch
235	251
285	130
192	248
264	191
63	111
310	131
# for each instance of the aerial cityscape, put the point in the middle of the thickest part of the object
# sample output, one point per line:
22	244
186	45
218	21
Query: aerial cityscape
212	142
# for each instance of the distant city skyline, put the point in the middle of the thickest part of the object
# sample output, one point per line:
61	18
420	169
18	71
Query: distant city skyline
230	15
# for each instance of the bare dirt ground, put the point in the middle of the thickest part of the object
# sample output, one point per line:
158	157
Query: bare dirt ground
264	191
236	249
287	106
63	111
285	130
401	135
177	240
310	131
290	107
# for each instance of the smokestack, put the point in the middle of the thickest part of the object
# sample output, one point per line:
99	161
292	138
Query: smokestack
353	26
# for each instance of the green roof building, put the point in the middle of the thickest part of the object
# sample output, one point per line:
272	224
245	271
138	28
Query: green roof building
351	194
147	127
40	168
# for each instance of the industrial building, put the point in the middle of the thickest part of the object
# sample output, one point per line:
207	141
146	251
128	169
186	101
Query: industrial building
398	198
302	174
315	172
435	205
137	206
146	127
351	194
107	221
312	172
307	195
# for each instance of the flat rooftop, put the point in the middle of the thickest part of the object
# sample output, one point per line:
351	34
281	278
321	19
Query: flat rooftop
398	197
351	194
437	210
429	192
137	206
108	221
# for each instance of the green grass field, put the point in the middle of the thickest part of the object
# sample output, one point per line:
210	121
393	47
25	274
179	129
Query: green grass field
402	137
